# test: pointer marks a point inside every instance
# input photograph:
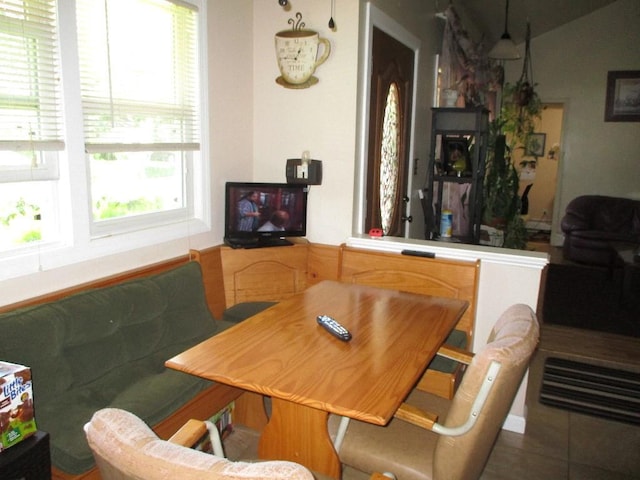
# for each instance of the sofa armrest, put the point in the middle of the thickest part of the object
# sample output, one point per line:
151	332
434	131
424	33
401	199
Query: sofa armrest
579	213
573	221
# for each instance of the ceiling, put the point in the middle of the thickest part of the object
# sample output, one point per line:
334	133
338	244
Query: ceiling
544	15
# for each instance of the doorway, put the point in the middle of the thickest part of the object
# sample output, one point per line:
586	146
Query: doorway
391	100
542	178
400	100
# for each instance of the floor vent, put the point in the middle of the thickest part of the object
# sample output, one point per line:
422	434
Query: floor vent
590	389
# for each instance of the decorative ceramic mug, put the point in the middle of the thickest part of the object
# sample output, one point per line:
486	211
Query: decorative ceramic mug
297	53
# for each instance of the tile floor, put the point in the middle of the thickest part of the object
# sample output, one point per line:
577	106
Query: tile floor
559	444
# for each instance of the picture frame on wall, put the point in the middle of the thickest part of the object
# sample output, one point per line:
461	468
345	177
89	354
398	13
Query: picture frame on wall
623	96
535	144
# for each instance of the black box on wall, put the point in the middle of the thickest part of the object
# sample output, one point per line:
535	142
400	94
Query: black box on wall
308	173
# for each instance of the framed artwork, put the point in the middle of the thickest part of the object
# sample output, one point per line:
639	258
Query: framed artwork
623	96
535	144
455	151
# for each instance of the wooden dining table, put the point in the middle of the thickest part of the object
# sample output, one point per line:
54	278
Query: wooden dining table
283	353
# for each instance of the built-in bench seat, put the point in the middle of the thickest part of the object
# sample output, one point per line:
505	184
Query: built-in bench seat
106	347
105	343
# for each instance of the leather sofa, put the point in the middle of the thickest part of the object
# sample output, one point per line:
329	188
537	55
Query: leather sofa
594	227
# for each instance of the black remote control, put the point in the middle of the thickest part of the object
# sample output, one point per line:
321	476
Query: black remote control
418	253
334	328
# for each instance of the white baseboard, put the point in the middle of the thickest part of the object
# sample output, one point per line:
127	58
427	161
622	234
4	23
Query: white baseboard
538	224
514	423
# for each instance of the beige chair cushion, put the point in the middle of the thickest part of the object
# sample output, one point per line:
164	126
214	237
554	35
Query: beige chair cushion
367	447
126	448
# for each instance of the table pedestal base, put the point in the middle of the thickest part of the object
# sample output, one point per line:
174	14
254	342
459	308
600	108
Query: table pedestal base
299	434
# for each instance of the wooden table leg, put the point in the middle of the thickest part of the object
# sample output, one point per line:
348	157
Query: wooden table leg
299	434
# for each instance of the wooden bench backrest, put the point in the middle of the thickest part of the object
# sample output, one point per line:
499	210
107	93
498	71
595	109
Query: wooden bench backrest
427	276
263	274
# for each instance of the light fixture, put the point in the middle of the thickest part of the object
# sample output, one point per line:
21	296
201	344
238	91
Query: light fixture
505	49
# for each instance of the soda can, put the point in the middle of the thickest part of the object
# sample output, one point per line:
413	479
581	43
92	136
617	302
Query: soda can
446	224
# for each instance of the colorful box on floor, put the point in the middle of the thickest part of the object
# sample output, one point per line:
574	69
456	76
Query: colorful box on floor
17	420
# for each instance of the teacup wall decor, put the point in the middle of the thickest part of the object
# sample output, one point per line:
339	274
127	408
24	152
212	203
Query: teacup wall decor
297	54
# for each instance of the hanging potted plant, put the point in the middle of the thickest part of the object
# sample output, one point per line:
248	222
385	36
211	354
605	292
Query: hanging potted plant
521	108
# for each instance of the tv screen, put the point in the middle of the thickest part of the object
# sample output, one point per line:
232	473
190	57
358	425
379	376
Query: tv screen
264	214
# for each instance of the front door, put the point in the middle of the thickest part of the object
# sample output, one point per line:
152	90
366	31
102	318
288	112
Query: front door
389	134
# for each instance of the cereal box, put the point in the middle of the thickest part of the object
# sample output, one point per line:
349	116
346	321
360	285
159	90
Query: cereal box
17	420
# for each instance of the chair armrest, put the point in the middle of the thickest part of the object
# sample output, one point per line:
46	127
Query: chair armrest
382	476
189	433
455	353
428	421
193	430
416	416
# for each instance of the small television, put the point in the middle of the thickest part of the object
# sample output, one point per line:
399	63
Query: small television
264	214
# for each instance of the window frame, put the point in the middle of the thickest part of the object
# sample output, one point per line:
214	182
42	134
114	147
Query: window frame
78	240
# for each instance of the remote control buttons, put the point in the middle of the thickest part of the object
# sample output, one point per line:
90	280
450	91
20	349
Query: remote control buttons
334	328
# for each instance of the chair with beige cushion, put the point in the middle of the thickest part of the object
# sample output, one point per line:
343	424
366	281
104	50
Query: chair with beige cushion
409	446
125	448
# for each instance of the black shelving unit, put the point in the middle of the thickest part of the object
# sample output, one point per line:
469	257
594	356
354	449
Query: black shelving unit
455	131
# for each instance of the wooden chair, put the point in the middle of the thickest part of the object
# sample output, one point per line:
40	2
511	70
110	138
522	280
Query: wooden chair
416	445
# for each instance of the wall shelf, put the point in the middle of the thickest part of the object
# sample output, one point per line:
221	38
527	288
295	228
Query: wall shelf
456	132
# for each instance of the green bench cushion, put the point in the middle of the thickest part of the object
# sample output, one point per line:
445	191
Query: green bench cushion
107	347
244	310
457	338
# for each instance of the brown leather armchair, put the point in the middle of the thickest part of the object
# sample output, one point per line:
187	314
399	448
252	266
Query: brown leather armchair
594	224
415	445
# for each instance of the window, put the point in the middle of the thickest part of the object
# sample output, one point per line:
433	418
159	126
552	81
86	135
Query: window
30	118
389	158
126	156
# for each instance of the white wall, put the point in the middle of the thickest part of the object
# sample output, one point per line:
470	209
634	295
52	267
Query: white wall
570	65
320	119
231	77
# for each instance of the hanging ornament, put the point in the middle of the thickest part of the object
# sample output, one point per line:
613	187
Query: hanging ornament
332	24
524	93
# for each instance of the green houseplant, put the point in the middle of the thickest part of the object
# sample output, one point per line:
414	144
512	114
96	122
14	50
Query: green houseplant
520	109
510	131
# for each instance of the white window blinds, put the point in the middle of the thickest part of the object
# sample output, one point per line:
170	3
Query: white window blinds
30	101
138	73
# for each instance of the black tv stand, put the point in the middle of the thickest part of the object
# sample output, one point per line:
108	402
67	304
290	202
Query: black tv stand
259	242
